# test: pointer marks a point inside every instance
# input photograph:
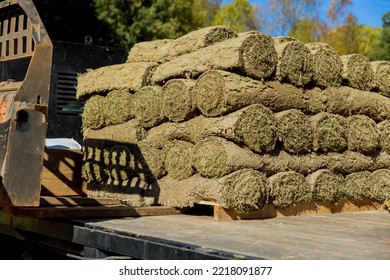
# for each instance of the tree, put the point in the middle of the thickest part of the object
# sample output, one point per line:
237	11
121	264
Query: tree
381	51
368	37
240	15
204	12
345	38
338	9
287	16
131	21
307	31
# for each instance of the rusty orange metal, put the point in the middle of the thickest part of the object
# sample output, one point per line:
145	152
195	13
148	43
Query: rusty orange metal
25	69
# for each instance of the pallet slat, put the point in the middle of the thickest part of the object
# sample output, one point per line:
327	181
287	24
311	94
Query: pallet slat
301	209
77	201
89	211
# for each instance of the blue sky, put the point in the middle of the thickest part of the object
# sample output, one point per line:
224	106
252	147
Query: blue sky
368	12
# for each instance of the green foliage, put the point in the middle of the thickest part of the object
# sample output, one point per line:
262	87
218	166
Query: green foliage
306	31
344	38
240	15
368	37
204	12
381	50
131	21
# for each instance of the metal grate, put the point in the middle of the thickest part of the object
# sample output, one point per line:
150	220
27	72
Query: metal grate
67	104
15	34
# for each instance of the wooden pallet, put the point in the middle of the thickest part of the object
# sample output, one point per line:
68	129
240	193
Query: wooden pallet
84	207
299	209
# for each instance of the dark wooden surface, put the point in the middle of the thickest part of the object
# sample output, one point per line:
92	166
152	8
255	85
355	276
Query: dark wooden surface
107	211
357	235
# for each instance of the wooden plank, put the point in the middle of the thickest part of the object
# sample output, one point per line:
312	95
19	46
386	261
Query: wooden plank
295	237
61	173
77	201
299	209
89	211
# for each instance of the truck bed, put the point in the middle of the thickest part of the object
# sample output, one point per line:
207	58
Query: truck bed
355	235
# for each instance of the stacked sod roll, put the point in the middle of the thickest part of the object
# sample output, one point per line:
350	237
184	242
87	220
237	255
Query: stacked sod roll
241	120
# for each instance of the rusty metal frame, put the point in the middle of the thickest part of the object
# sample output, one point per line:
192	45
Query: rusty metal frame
23	104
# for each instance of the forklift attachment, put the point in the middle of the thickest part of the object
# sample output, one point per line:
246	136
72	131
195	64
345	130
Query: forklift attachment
25	69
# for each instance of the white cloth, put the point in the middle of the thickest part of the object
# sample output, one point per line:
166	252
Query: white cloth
62	143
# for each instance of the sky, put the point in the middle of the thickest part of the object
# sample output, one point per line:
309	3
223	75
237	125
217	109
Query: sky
368	12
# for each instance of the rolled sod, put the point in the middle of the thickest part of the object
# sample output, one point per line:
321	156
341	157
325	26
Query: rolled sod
362	135
147	106
380	190
254	126
94	172
93	114
357	72
243	191
344	163
280	161
165	50
295	62
131	160
287	188
149	162
381	160
178	100
337	100
294	131
117	107
383	129
328	66
118	160
381	77
162	134
329	132
219	92
133	192
326	185
178	163
130	132
347	101
282	96
349	162
149	51
252	54
215	157
131	76
358	186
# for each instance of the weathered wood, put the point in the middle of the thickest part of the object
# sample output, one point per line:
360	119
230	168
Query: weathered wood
61	173
357	235
300	209
77	201
89	211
